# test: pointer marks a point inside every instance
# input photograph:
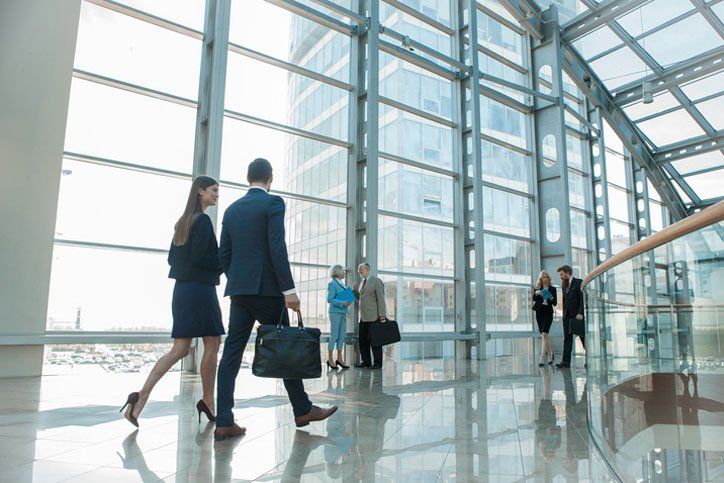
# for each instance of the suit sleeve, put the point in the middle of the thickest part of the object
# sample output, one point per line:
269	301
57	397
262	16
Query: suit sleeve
225	249
331	294
580	299
277	244
204	253
380	296
554	296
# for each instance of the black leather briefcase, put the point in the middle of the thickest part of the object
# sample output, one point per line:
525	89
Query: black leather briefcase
384	333
285	352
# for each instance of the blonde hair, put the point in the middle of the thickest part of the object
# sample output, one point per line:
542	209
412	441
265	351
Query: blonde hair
539	283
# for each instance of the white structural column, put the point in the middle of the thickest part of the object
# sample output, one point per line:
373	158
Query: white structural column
472	176
37	47
210	115
551	158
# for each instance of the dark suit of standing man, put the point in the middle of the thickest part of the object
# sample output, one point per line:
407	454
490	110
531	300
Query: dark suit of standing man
253	255
371	297
572	310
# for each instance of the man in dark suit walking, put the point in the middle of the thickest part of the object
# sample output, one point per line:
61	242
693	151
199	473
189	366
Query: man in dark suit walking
572	313
253	255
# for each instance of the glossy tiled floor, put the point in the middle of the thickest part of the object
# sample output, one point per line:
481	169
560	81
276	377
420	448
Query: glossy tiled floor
500	420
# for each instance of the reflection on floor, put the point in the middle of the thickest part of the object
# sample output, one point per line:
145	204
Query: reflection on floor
500	420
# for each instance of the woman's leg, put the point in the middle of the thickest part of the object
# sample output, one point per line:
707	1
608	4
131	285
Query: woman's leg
340	338
333	334
546	348
179	350
208	369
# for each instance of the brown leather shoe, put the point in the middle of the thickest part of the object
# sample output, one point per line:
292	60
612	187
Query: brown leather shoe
223	432
314	414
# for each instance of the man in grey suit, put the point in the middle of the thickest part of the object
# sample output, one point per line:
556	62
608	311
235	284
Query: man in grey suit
371	297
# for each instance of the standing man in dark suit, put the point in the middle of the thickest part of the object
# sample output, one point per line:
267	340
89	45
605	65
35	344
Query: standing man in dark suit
572	312
253	255
372	310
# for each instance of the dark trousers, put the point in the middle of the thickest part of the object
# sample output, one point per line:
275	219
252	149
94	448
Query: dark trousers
568	340
364	344
245	309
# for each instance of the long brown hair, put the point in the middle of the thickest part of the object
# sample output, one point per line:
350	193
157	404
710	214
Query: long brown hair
182	228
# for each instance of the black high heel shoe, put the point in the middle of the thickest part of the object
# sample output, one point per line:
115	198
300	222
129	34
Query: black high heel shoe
132	401
553	357
342	365
332	367
201	407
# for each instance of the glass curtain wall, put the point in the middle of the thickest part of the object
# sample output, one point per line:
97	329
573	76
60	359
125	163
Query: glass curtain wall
289	98
127	166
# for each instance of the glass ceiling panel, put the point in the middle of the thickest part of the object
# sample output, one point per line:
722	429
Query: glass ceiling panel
719	10
681	41
712	159
704	87
670	128
619	67
598	41
661	103
652	15
713	111
706	186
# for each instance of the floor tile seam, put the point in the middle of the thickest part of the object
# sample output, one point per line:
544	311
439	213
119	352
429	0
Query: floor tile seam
404	422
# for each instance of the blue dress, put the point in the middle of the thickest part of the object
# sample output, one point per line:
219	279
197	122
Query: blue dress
195	266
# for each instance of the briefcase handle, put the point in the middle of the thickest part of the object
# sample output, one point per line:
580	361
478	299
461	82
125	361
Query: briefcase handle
300	323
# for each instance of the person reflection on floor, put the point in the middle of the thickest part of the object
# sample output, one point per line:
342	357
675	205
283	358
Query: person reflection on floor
576	425
547	431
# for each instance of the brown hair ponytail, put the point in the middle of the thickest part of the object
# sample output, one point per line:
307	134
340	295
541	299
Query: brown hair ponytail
193	208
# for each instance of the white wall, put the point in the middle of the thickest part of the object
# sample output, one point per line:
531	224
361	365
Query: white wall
37	46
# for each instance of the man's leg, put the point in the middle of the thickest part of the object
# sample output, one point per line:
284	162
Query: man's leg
268	310
241	322
376	350
364	343
567	342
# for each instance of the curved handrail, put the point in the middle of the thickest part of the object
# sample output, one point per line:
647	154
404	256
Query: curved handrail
690	224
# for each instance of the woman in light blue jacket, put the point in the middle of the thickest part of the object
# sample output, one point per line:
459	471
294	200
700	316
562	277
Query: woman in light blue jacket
337	317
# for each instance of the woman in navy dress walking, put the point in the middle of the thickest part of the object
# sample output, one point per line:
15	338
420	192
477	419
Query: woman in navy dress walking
194	261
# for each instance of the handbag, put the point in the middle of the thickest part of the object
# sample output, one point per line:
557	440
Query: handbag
285	352
384	333
578	327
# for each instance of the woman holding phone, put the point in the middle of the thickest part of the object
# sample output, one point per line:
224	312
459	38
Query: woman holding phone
194	262
545	298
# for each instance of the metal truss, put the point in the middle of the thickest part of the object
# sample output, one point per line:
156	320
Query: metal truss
670	78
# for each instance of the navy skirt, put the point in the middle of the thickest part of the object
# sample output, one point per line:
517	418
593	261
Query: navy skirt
196	311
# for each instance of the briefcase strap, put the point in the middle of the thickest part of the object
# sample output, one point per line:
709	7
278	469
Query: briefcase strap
300	323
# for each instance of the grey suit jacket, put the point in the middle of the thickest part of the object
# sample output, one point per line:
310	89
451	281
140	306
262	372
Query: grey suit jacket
371	300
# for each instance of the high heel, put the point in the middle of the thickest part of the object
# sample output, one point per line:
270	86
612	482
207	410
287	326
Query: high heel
541	364
201	407
342	365
332	367
132	401
553	357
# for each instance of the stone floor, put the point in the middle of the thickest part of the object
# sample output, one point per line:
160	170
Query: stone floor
504	419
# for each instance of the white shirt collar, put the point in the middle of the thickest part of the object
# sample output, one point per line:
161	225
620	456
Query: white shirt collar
258	188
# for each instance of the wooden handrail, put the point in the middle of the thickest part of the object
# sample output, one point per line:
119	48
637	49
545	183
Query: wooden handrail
690	224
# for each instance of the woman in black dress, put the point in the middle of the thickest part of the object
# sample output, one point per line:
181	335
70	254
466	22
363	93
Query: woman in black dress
194	261
545	298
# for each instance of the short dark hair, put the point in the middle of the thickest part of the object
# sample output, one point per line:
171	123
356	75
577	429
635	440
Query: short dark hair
565	268
260	170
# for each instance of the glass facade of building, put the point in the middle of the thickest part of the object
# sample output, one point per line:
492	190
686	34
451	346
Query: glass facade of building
295	91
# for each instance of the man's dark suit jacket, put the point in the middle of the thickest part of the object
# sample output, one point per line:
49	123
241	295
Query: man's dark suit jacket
573	300
253	253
